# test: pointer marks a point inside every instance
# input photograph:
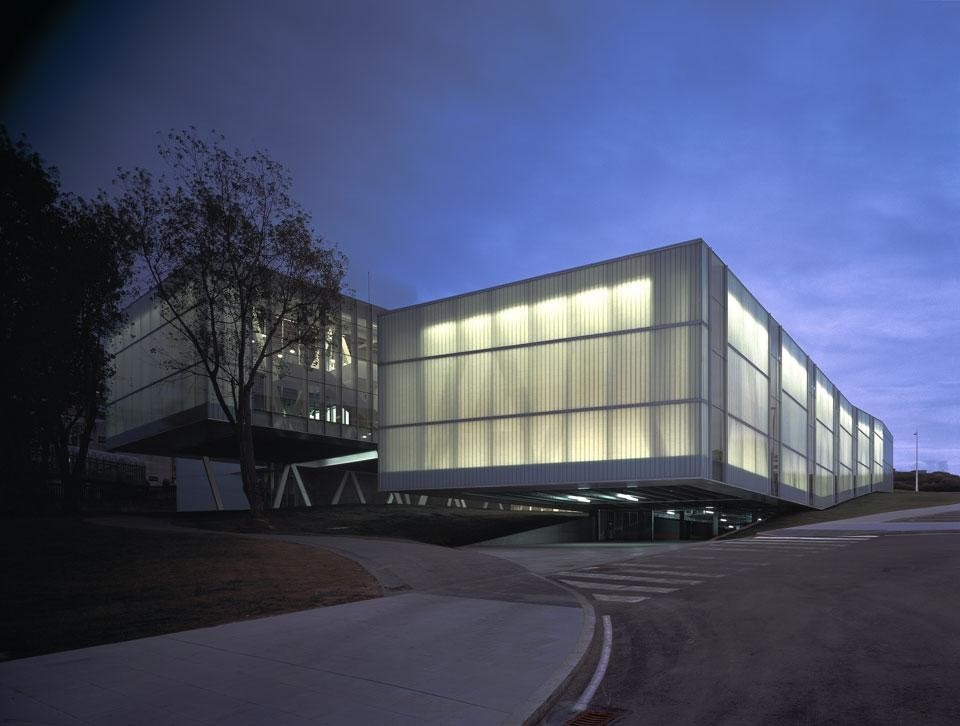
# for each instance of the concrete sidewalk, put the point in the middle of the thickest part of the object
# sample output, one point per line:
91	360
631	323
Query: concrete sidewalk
467	639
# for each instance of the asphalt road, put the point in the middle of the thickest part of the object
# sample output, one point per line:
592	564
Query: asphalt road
844	628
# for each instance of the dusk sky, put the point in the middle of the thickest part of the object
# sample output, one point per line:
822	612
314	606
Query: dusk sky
448	146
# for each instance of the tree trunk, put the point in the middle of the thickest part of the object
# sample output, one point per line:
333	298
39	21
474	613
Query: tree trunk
68	482
252	486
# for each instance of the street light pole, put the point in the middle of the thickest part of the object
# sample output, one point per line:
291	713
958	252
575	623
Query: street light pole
916	465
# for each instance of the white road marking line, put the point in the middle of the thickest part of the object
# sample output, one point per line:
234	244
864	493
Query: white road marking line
776	547
646	569
783	546
692	557
783	538
620	598
786	542
588	585
587	695
627	578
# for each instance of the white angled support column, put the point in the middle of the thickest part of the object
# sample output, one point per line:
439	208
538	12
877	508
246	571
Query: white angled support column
339	492
299	480
356	487
211	480
278	495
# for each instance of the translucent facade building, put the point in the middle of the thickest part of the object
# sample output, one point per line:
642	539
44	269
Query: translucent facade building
652	377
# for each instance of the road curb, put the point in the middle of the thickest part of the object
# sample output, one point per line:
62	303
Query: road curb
538	705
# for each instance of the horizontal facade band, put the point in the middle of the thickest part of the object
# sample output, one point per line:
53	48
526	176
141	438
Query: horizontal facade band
533	414
550	341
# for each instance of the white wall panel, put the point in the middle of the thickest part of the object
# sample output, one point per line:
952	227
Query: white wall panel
793	470
793	427
794	369
845	451
747	324
823	483
664	431
846	415
824	447
824	401
746	448
615	370
748	397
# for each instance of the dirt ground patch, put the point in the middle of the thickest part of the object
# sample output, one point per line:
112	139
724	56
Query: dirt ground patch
69	584
447	526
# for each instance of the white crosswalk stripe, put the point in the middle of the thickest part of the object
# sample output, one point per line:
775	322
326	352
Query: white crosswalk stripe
602	597
620	582
627	578
658	570
796	538
588	585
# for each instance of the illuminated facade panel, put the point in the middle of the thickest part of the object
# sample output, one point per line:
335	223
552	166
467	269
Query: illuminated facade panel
655	369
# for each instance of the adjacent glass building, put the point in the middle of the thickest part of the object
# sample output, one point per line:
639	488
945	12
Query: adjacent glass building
309	402
653	377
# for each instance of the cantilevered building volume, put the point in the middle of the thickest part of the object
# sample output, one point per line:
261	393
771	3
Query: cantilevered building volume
653	377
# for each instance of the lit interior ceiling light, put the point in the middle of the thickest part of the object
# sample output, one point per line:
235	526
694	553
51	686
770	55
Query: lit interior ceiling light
670	511
513	314
553	306
629	497
576	498
478	321
634	288
595	296
293	351
723	519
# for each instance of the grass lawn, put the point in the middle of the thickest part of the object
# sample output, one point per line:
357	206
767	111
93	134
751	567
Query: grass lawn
450	527
876	503
69	584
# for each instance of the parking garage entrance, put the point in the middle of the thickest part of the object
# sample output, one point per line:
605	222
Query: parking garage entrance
626	525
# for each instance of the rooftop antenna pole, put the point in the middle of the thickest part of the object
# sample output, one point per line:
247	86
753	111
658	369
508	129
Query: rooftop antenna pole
916	466
369	297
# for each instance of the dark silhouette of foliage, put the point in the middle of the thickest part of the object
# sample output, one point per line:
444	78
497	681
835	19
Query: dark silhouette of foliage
65	262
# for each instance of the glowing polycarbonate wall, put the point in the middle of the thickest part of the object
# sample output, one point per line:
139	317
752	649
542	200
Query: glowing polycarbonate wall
845	462
824	482
748	389
586	376
648	369
864	455
790	433
793	422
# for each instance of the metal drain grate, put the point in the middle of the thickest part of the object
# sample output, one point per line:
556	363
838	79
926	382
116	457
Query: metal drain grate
593	718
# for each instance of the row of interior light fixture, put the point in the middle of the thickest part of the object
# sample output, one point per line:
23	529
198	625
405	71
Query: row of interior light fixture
633	498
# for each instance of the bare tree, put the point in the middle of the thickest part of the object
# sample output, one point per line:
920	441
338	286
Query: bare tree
236	268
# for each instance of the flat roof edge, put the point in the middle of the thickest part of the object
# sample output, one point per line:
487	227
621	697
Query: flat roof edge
687	243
